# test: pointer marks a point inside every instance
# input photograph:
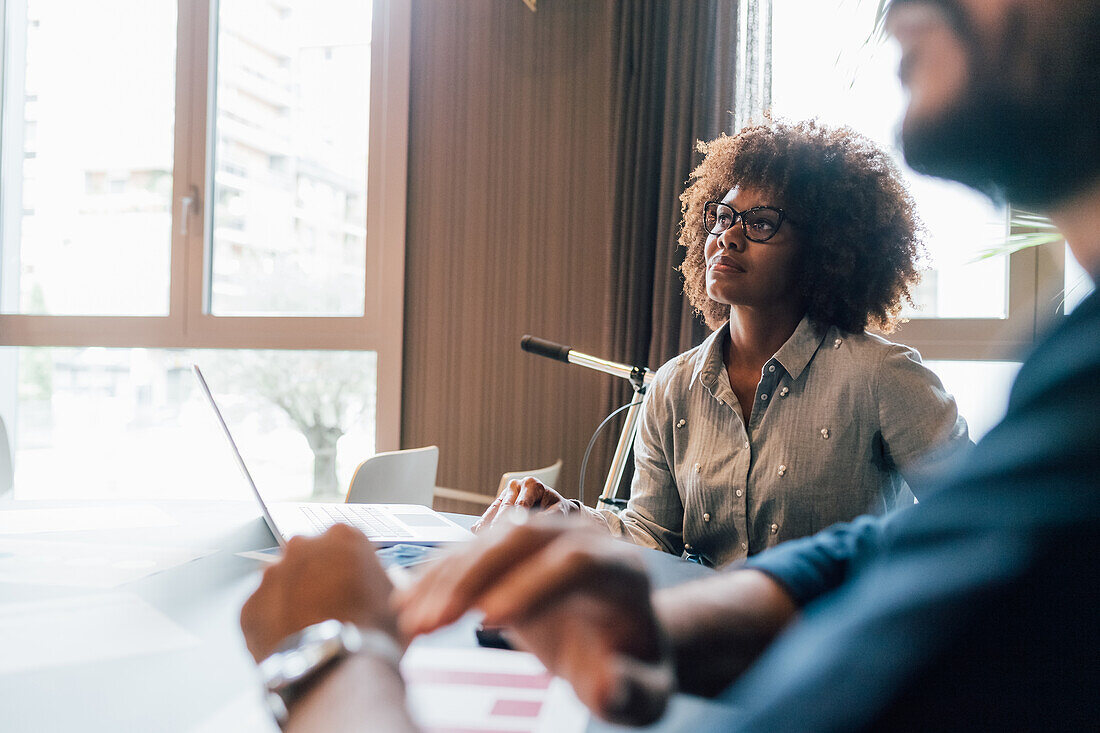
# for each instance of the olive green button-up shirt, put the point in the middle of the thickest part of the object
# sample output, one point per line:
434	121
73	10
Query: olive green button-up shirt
836	417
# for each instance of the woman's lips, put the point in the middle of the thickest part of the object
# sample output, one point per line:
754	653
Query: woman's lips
724	265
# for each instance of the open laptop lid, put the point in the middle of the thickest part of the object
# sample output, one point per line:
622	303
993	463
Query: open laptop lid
268	519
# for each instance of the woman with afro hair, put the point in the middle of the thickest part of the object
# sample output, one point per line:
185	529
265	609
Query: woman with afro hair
790	416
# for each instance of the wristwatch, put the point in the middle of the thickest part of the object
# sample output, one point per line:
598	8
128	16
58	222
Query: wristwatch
303	657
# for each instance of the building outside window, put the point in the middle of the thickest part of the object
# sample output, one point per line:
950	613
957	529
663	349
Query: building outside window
201	188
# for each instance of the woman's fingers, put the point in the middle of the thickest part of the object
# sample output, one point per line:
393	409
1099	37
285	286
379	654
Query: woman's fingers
507	497
532	493
486	519
512	498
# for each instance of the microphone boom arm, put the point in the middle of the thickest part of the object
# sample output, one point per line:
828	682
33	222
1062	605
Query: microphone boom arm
639	377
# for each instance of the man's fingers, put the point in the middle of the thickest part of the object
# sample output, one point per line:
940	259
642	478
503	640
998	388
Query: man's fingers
453	586
561	568
627	691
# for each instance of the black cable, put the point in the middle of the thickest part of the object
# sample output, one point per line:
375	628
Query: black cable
588	450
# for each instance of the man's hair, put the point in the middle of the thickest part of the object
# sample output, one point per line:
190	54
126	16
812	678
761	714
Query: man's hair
844	197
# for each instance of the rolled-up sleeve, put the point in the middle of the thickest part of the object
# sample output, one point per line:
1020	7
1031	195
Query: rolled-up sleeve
812	566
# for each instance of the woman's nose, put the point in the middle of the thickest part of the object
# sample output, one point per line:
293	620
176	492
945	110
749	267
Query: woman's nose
733	238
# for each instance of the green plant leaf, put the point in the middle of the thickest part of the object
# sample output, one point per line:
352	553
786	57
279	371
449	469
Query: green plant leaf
1017	242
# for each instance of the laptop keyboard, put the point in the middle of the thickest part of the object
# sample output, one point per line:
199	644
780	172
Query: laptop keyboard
369	520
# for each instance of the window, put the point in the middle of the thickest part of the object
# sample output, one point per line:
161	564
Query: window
221	180
822	60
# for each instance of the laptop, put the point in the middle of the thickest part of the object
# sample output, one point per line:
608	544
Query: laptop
384	524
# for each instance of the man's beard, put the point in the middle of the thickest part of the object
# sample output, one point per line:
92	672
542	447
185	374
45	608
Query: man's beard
1033	148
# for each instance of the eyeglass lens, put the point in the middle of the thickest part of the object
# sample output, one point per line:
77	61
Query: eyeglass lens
759	224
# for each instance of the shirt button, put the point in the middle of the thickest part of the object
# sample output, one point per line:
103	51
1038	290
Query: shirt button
744	545
763	398
782	470
784	392
687	546
771	367
681	423
745	445
697	467
739	492
837	343
706	517
825	433
775	528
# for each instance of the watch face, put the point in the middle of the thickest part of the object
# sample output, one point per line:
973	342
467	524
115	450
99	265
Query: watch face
304	652
317	633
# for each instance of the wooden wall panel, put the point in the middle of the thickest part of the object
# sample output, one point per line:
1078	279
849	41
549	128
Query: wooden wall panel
509	191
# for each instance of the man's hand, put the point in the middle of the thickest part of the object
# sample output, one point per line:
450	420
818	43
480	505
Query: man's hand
528	494
335	576
576	598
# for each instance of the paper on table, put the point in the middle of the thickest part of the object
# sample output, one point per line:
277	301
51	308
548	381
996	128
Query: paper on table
269	556
245	712
85	564
73	519
479	689
81	629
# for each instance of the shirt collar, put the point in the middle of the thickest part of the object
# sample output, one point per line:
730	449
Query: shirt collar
793	355
710	361
800	348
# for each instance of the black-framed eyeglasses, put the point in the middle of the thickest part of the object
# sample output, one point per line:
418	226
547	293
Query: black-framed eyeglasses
760	223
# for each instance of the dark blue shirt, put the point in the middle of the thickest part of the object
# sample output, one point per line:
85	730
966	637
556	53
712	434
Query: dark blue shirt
977	608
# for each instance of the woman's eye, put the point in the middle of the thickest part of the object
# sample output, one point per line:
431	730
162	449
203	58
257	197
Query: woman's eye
762	226
725	219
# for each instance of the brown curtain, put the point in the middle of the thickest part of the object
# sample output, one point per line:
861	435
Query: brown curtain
546	154
675	81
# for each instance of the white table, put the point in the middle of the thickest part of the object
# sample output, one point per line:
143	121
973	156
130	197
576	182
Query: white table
204	687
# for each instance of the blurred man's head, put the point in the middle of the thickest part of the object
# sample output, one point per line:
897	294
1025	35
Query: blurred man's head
1004	94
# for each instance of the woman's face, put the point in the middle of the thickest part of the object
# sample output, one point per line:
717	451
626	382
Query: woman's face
741	272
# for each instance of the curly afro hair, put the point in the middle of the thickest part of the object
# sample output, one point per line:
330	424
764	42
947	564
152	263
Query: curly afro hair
856	219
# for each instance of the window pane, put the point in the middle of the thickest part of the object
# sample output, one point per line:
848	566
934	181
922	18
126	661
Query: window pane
290	157
131	423
89	106
824	67
980	388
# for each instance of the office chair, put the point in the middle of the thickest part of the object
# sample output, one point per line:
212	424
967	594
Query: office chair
396	477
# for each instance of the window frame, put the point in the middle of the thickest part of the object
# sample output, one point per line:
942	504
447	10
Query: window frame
1035	277
189	323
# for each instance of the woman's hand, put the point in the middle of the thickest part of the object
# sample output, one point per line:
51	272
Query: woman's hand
528	494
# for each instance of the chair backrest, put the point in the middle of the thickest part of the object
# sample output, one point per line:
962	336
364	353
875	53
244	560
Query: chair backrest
548	476
396	477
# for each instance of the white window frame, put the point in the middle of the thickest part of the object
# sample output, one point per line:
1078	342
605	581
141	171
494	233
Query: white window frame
189	324
1035	276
